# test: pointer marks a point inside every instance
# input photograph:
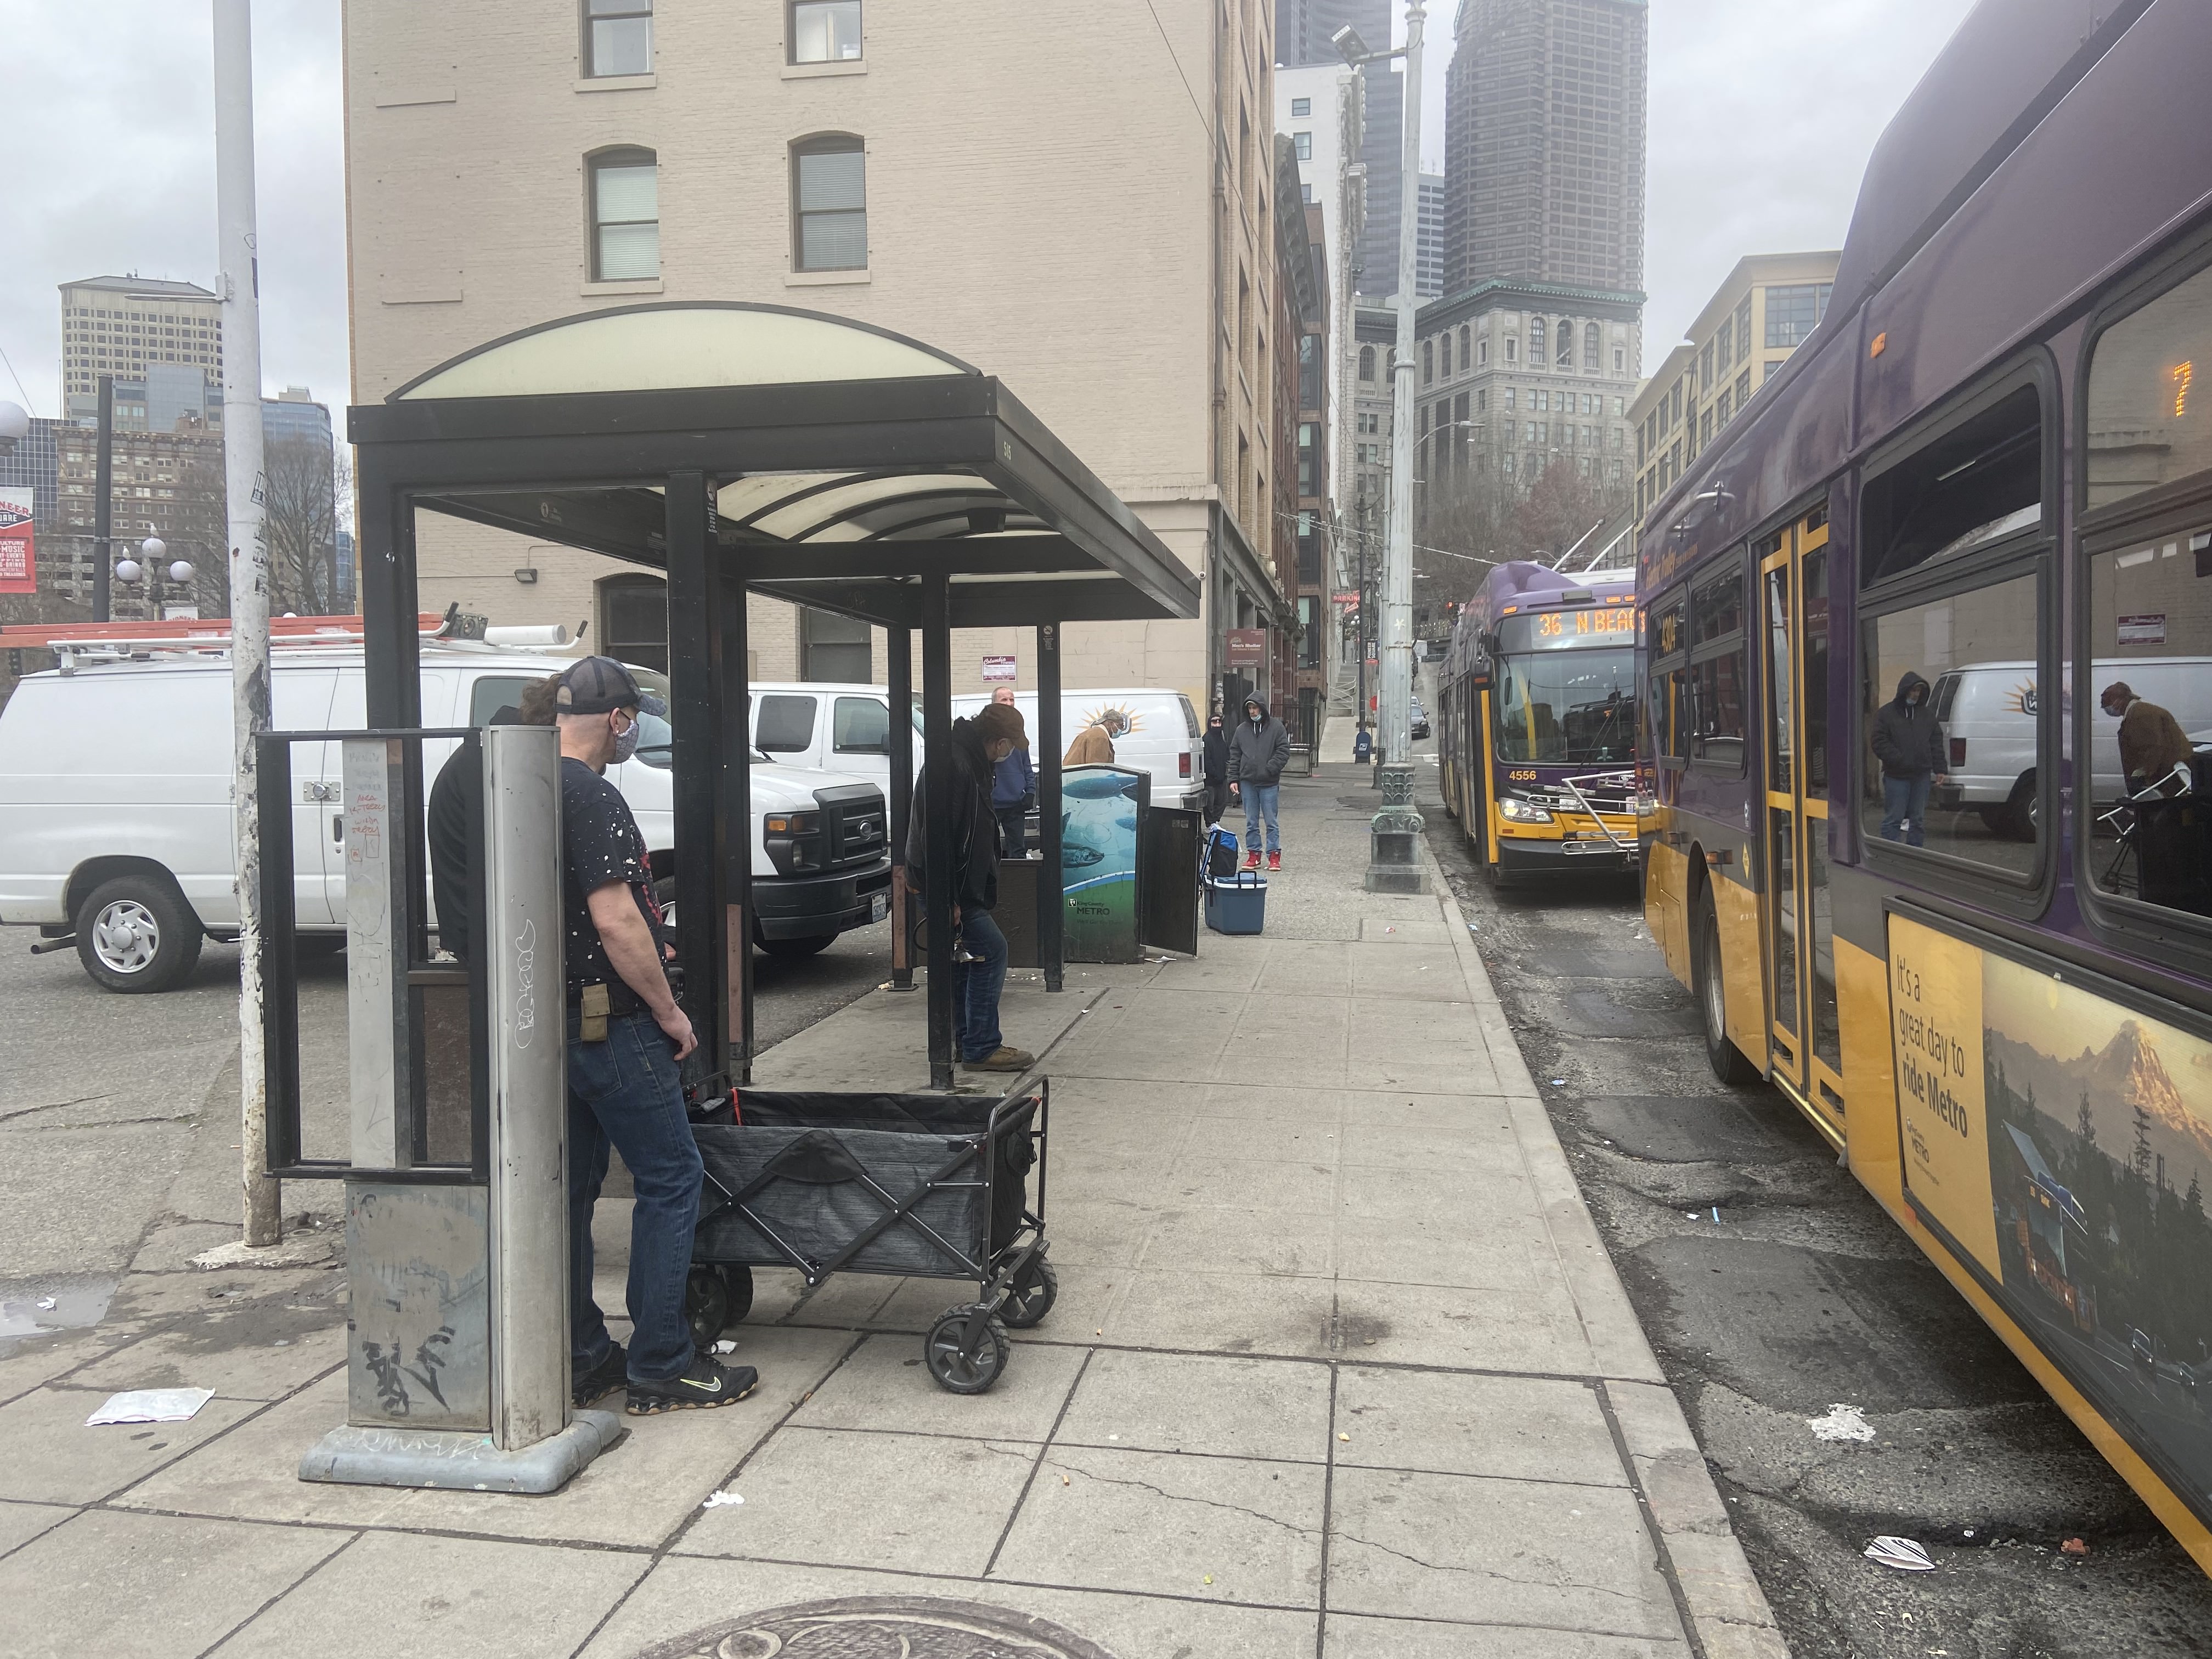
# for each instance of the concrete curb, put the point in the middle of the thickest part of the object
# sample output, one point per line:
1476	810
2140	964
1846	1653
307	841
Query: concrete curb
1715	1591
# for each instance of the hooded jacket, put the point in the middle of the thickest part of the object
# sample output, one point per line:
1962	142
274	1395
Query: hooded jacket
1093	746
1907	740
1217	753
1259	752
966	777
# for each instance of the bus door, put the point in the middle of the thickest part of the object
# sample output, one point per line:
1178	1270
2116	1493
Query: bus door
1800	981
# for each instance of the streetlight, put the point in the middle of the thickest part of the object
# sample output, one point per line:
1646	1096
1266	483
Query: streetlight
1394	863
15	426
148	567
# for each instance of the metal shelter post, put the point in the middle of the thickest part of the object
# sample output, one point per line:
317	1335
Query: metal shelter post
937	828
900	641
737	775
1052	899
695	684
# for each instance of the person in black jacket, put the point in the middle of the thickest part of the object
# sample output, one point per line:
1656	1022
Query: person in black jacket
1909	744
1259	749
979	973
1217	768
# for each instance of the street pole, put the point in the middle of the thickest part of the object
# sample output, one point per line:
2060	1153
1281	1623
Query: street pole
1359	624
1397	651
103	555
249	575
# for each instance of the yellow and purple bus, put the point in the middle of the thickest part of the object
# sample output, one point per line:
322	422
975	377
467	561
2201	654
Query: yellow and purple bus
1537	721
1968	932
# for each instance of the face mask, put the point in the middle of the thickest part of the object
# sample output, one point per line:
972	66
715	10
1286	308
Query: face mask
626	742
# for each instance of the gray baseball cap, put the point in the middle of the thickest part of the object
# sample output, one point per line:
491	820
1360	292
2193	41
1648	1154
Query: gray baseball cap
597	684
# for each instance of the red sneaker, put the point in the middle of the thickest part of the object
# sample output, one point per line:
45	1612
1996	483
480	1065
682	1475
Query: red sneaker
1251	860
1274	860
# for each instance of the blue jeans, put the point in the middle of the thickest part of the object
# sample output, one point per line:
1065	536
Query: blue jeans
1260	806
627	1093
976	986
1903	799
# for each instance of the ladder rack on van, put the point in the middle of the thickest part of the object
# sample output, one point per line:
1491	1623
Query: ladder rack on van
78	645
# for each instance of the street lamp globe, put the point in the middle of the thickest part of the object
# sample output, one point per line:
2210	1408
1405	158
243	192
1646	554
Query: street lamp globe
15	423
129	571
181	571
153	547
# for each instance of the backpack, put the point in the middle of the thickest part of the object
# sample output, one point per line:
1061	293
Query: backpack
1221	852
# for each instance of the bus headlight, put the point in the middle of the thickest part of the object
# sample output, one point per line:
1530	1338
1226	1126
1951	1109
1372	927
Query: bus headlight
1514	810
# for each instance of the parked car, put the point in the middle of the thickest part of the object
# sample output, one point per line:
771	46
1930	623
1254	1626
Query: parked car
1988	711
116	816
1421	727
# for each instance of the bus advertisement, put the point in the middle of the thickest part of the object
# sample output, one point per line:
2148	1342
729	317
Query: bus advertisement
1927	662
1536	713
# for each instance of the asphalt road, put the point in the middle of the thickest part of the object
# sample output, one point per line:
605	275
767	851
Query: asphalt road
1803	1295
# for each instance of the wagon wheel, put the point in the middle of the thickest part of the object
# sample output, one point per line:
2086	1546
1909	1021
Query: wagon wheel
962	1373
714	1298
1031	1296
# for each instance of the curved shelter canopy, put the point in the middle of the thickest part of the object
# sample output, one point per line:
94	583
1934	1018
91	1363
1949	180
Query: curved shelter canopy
847	463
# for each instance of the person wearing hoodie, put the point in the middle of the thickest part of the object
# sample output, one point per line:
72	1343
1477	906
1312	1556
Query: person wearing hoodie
1909	744
979	973
1013	788
1259	749
1217	768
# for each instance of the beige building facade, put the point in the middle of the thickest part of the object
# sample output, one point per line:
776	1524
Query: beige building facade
1083	209
1755	319
160	341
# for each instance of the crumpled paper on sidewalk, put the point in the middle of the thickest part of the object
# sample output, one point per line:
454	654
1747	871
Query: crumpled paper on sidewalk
151	1405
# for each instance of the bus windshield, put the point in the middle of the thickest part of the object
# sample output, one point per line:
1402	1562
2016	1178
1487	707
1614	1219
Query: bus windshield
1567	707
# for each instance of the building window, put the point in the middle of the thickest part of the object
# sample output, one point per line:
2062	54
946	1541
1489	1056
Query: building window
1303	143
1301	106
1444	354
1590	346
1723	344
617	37
625	216
1367	362
1743	388
825	31
1307	191
1482	350
829	204
1743	328
1482	401
1512	348
1536	343
1428	361
1795	312
1465	347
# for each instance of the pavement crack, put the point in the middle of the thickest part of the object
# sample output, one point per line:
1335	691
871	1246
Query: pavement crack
1490	1572
1182	1497
51	1106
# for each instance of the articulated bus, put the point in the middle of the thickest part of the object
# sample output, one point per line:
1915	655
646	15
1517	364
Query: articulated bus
1537	721
1970	935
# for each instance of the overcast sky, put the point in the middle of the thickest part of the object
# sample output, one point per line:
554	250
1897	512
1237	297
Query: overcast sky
1761	117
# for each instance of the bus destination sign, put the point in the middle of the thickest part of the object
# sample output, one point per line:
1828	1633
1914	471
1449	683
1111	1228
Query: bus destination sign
1562	630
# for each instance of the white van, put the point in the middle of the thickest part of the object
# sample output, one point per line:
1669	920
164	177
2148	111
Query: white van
116	820
1988	714
847	728
1163	739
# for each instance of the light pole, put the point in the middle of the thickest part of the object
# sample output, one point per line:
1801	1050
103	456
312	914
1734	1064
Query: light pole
1394	862
148	567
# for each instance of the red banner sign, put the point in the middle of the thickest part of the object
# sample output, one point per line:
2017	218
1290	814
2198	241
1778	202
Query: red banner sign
18	572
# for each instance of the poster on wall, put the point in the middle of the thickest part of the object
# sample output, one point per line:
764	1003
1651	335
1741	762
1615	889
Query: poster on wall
19	571
1098	862
998	668
2062	1142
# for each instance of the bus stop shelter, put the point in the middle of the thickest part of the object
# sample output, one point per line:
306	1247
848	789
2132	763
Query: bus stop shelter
738	447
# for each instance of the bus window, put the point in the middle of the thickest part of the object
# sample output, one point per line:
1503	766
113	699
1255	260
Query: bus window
2149	423
1717	669
1962	492
1970	780
2147	808
1567	707
1668	623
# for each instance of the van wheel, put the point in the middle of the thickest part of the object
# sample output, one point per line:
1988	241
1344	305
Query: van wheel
136	933
812	946
1727	1061
2021	810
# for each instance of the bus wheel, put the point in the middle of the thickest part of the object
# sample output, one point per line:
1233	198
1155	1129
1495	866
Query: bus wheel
1727	1060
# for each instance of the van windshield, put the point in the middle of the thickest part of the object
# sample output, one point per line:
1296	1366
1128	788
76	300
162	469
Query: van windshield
656	737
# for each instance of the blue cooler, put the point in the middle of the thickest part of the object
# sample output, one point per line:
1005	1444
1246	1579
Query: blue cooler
1237	904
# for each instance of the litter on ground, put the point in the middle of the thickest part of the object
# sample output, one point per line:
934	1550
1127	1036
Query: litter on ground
721	1500
1902	1553
1842	1422
151	1405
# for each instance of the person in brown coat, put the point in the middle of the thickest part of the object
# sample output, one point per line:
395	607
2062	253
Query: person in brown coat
2152	742
1094	745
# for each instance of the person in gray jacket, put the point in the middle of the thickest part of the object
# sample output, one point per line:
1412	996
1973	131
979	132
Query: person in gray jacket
1259	749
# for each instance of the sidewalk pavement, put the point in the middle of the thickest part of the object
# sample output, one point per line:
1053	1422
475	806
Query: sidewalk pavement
1339	1368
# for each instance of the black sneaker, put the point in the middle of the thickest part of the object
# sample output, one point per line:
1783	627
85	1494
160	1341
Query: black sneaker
706	1384
602	1380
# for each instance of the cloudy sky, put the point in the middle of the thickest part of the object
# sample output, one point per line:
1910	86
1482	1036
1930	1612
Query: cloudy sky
1761	117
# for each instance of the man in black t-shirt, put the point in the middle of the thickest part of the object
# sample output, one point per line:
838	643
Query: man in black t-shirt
446	820
626	1038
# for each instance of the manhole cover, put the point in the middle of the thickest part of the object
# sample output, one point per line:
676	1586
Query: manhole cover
881	1627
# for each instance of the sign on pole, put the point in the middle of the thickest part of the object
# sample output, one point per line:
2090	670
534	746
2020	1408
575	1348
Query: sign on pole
18	572
1247	647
